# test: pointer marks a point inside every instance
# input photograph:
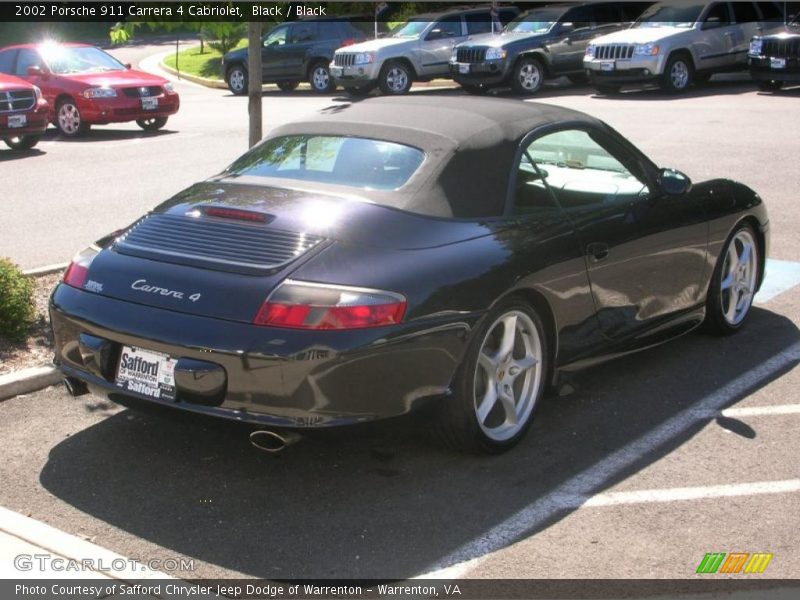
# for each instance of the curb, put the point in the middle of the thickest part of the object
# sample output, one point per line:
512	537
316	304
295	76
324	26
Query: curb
46	270
212	83
29	380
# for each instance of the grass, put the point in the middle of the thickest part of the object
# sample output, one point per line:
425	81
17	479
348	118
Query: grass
192	62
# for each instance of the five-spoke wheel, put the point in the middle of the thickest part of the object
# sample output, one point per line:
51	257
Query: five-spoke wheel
69	120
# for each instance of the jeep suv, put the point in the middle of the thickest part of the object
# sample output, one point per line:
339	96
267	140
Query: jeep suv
543	42
674	44
417	50
775	59
293	52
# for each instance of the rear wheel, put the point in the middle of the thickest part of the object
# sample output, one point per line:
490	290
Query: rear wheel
395	78
528	76
769	85
500	382
288	86
678	74
22	142
320	78
733	283
237	80
69	120
152	124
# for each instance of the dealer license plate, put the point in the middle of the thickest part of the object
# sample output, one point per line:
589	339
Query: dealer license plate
777	63
149	103
337	71
145	372
607	65
463	68
17	120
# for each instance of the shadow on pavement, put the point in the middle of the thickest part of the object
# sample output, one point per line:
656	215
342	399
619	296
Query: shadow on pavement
97	134
7	154
382	500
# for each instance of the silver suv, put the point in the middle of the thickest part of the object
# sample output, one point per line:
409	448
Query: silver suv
418	50
677	43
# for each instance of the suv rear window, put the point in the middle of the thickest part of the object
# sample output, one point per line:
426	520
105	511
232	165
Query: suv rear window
351	161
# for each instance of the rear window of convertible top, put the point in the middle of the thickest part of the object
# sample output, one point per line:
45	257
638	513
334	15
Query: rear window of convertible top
350	161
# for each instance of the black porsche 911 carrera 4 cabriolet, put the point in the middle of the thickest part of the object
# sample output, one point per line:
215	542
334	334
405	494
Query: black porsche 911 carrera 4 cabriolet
395	253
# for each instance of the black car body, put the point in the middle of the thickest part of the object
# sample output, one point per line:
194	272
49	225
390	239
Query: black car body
296	51
327	278
546	42
775	59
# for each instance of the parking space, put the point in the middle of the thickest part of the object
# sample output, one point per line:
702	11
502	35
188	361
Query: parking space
652	461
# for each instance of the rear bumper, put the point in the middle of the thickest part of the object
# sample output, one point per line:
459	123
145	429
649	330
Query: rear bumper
492	72
277	377
123	108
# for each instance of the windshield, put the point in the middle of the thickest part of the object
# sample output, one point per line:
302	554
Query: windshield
536	21
83	59
411	29
339	160
670	15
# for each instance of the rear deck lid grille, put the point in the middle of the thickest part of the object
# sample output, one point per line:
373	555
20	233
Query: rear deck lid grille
214	243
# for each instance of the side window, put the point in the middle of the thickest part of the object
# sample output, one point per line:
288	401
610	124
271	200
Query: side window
580	17
276	37
770	12
27	58
7	61
745	12
581	172
449	27
303	32
479	23
718	13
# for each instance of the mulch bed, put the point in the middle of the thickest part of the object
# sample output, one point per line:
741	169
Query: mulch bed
37	349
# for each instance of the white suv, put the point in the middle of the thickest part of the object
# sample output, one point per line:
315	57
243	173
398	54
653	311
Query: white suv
677	43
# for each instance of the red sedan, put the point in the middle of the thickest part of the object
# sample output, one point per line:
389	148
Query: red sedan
86	86
23	113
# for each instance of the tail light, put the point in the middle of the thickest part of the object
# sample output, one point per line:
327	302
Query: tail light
305	305
348	42
78	269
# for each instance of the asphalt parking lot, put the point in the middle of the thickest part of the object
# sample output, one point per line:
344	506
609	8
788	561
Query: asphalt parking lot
652	462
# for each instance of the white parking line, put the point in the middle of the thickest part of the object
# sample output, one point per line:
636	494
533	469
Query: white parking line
757	411
692	493
584	484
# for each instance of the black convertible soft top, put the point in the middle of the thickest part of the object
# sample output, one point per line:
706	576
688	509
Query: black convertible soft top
469	145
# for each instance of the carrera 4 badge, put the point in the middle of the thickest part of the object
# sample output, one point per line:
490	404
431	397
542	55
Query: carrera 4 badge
141	285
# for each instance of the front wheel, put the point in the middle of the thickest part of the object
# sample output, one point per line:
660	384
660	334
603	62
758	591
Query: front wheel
395	78
320	78
733	284
500	382
152	124
678	74
237	80
528	76
22	142
769	85
69	120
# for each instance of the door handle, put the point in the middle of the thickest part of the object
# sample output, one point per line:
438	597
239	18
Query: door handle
597	251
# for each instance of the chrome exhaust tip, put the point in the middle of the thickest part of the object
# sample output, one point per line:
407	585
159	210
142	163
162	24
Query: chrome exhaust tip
75	387
272	441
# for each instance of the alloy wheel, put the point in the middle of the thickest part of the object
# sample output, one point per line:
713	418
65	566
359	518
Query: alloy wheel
530	77
508	376
397	79
679	75
236	80
69	119
739	273
320	78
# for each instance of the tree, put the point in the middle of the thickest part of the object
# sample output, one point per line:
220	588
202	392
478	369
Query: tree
254	83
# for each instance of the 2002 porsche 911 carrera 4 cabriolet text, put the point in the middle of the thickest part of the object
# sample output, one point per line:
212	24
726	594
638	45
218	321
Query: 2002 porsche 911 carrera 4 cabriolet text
455	253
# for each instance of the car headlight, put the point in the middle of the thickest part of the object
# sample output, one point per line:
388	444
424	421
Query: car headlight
590	50
755	47
364	58
169	87
646	49
454	55
100	92
495	54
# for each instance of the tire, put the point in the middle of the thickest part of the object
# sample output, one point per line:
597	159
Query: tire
319	76
475	90
22	142
359	91
395	78
769	85
237	80
678	74
606	89
288	86
733	284
527	77
465	421
68	119
578	78
152	124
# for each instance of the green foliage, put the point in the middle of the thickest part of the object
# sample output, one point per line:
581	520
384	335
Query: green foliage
224	37
17	309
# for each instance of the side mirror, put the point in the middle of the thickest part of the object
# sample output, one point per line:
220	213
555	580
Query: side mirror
673	182
711	23
435	34
35	71
567	27
128	66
